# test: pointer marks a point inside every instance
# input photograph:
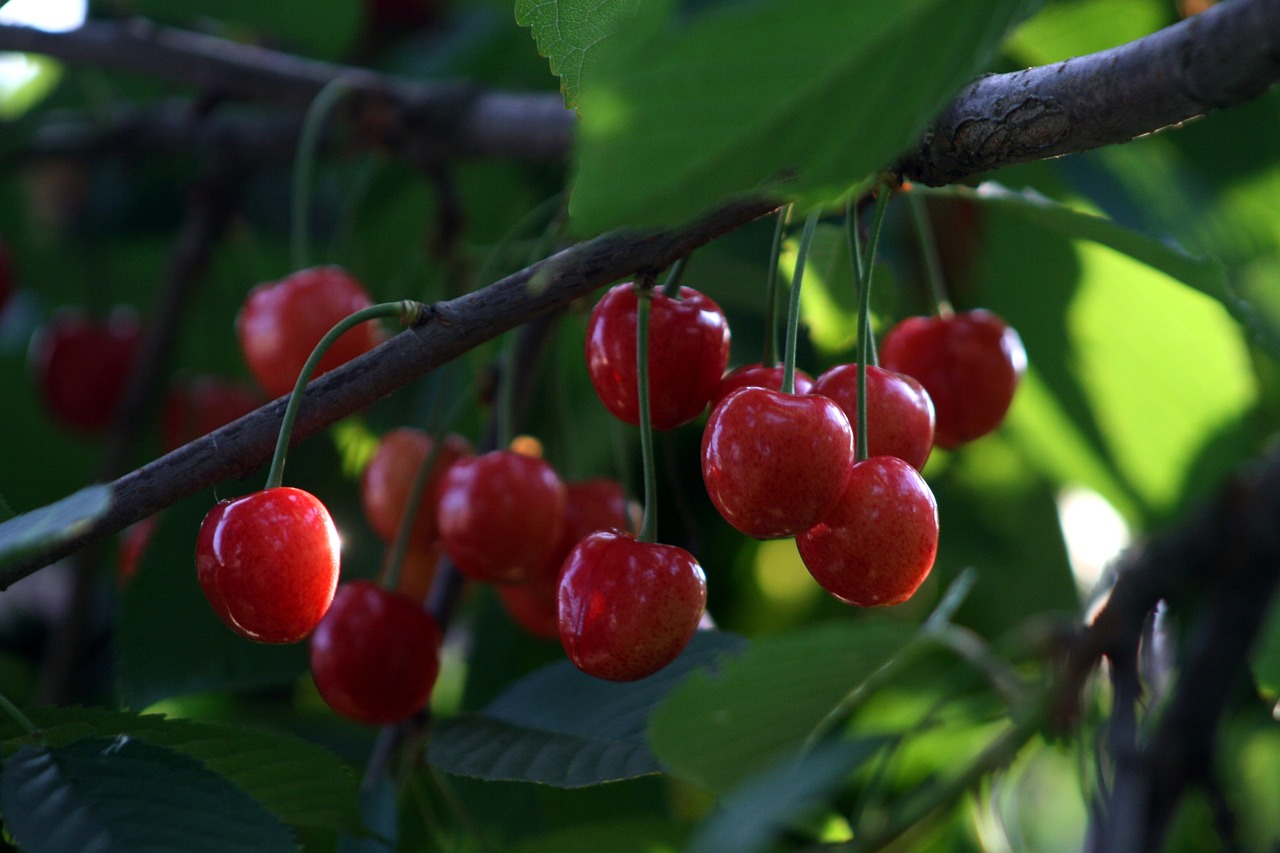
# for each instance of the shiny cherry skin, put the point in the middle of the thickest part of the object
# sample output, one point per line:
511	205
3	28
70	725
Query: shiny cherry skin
81	366
375	655
386	481
774	463
590	505
196	408
282	321
500	515
899	411
268	563
878	543
628	608
758	376
970	363
688	351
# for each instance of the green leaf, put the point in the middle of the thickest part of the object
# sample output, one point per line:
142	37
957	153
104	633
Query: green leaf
50	525
718	729
1266	657
797	99
752	816
293	23
561	727
300	783
106	794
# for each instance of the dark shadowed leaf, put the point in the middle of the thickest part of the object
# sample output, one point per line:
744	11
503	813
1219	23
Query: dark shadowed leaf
47	526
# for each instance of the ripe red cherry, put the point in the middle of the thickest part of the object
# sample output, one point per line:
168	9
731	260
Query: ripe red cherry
774	463
82	365
591	505
196	408
385	483
878	543
758	376
282	321
899	411
268	563
500	515
970	364
688	351
628	608
375	655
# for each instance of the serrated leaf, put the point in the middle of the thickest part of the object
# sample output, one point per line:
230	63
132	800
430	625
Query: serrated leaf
718	729
299	782
49	525
777	97
107	794
561	727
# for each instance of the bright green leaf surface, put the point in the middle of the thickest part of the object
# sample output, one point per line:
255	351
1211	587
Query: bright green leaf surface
47	526
562	727
781	97
121	794
1063	30
718	729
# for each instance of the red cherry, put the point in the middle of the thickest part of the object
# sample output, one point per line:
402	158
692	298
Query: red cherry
375	655
899	411
282	321
591	505
878	543
133	544
688	351
758	376
385	483
196	408
970	364
268	563
628	608
500	515
82	366
418	571
774	463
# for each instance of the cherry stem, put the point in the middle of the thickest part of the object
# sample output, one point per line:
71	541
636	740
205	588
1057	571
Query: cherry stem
649	527
304	164
858	264
671	287
409	312
23	721
793	304
866	352
771	291
929	251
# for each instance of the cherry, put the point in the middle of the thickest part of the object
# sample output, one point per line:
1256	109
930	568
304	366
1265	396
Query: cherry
82	365
500	515
628	608
418	571
281	322
878	543
591	505
196	408
268	563
758	376
386	481
970	364
688	351
375	655
774	463
899	411
133	544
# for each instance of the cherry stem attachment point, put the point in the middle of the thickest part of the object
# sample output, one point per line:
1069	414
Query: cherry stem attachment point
671	286
866	352
304	164
771	291
404	308
793	304
649	527
929	251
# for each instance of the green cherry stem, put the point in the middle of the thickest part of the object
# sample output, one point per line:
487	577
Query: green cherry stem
771	291
649	527
929	250
410	314
23	721
304	164
793	304
865	350
671	286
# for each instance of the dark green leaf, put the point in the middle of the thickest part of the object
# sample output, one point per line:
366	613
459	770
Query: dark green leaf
622	835
49	525
107	794
562	727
